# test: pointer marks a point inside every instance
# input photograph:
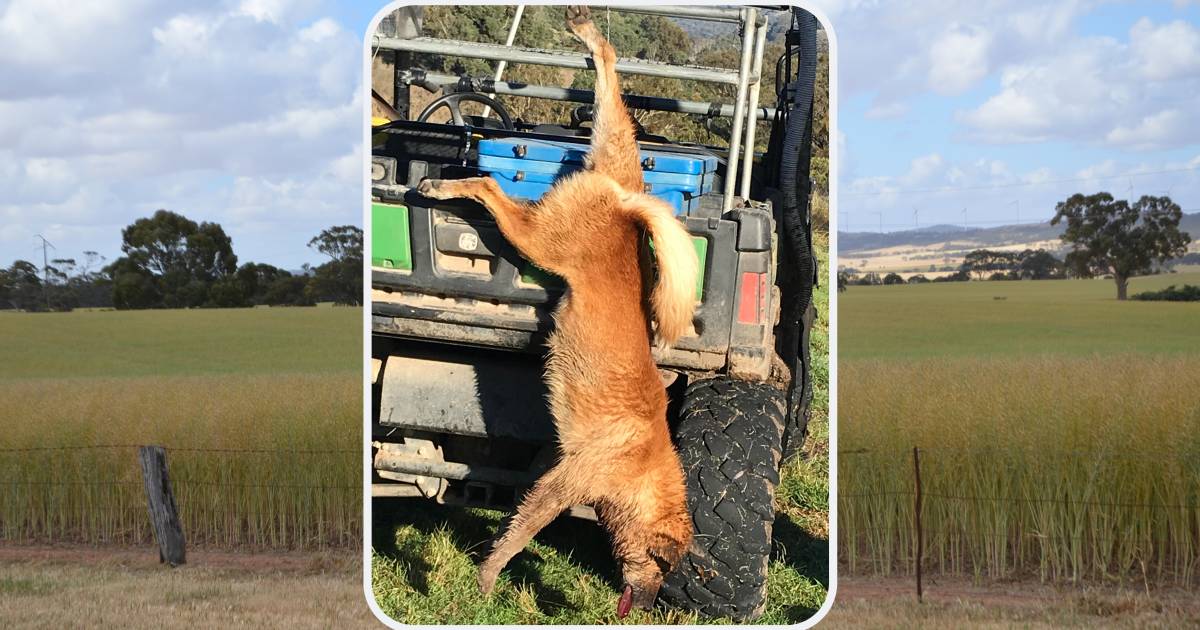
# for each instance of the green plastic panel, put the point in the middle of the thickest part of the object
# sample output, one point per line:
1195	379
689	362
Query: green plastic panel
390	246
701	245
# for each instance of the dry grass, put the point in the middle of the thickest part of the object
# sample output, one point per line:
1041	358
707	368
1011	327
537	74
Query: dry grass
131	590
953	604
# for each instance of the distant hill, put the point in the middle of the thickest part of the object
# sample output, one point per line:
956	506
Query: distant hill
939	249
1005	235
780	22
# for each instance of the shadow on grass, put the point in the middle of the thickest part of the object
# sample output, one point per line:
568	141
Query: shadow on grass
584	543
808	555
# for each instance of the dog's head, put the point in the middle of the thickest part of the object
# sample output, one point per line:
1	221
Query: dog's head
665	548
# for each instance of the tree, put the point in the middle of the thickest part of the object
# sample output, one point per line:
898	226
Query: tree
893	278
21	287
1111	236
172	262
288	290
340	279
958	276
983	261
869	279
918	279
1038	265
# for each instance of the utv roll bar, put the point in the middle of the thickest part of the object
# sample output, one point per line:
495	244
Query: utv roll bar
572	95
745	111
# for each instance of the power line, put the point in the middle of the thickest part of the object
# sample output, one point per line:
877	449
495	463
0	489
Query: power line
1018	184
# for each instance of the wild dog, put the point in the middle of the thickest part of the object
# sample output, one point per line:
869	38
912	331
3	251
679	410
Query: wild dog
606	395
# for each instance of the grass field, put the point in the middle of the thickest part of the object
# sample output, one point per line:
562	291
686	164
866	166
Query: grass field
1059	431
986	319
424	564
259	410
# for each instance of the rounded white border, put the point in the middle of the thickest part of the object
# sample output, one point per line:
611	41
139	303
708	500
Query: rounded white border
831	282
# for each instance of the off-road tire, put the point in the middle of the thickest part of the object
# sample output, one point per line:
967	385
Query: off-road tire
728	436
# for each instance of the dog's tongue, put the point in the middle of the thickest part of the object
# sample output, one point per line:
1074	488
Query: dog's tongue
626	602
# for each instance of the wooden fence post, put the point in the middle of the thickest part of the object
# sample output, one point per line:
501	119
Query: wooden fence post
917	517
164	515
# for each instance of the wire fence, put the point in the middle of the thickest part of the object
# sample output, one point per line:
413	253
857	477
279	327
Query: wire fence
996	512
283	498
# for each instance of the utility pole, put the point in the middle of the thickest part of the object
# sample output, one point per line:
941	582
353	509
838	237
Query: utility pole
916	221
45	269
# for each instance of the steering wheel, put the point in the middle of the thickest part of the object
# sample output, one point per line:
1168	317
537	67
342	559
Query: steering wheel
451	102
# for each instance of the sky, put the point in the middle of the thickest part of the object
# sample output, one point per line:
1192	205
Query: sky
248	113
989	113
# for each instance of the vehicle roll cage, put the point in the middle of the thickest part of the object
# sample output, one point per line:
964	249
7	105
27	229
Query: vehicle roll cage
744	111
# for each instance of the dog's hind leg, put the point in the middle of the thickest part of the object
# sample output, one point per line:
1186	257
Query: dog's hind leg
614	139
542	504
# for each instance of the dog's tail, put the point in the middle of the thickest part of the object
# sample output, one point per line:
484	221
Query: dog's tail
674	297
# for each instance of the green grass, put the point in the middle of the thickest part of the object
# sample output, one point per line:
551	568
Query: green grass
214	387
423	570
181	342
1061	317
1059	431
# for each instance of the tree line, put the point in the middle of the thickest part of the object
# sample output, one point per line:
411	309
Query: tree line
980	264
170	261
1105	237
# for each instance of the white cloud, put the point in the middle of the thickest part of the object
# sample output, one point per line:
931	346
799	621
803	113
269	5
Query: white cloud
1164	128
1170	51
958	58
206	111
892	49
185	34
263	10
1100	91
994	193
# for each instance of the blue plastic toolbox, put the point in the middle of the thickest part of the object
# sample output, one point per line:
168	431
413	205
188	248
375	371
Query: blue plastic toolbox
527	168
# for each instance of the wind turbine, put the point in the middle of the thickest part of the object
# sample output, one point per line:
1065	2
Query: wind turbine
45	268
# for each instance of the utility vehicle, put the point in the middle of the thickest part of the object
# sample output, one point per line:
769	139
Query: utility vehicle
459	319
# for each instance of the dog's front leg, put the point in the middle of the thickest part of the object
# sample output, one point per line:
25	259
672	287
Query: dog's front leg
512	217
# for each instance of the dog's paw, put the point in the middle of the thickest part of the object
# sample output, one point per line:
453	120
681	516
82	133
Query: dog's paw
577	16
487	580
432	188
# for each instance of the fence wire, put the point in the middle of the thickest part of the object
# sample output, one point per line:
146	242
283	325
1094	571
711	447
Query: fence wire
227	497
992	509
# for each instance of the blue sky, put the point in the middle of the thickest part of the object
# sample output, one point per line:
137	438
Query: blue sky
247	112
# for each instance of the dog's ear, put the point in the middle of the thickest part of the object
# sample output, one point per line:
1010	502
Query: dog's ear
667	552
